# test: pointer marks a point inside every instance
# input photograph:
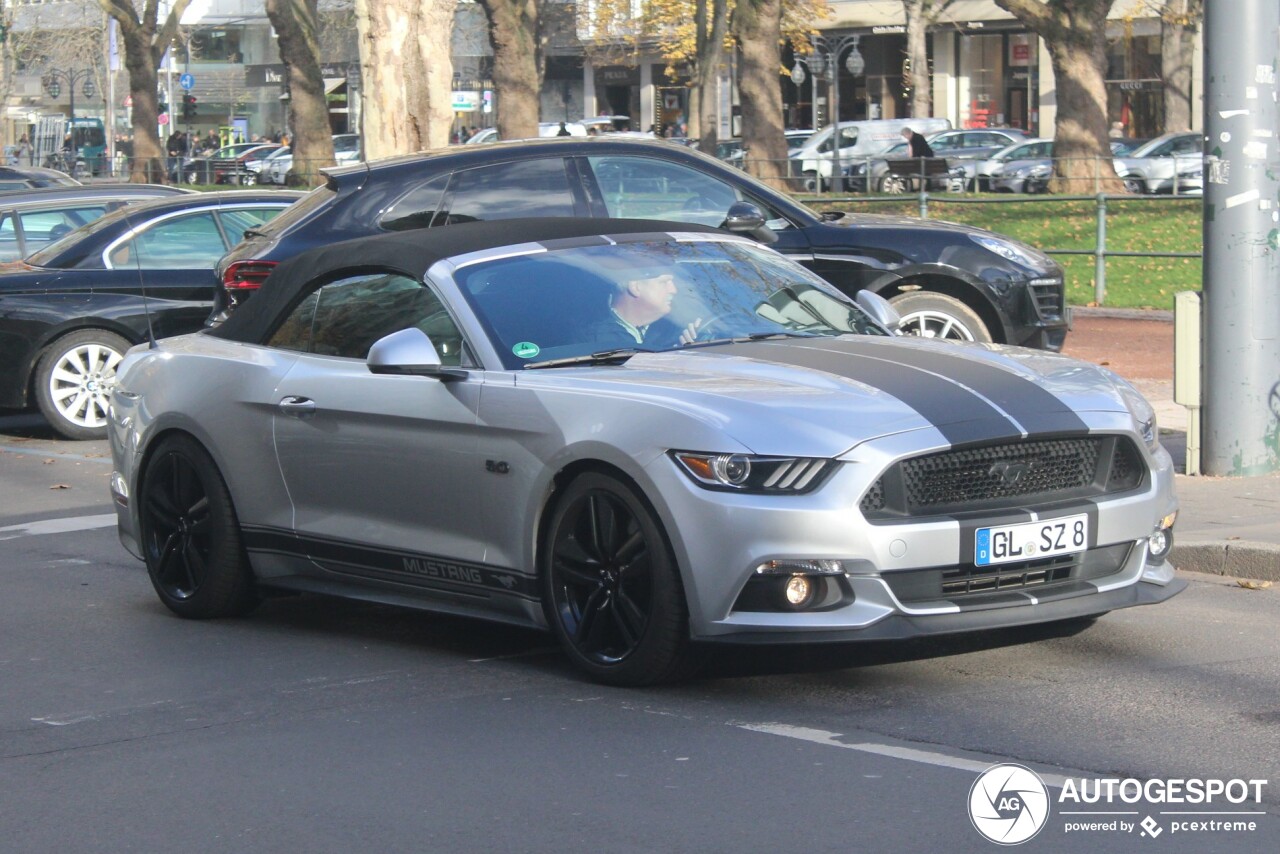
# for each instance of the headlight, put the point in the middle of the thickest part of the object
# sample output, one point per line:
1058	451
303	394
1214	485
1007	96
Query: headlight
857	169
1010	251
1144	417
750	473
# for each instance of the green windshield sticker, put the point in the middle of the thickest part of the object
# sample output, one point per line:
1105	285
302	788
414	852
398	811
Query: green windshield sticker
526	350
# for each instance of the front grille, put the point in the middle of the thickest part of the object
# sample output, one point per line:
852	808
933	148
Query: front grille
1013	474
1048	299
971	582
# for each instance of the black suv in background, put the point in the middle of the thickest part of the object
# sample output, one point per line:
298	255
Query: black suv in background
947	280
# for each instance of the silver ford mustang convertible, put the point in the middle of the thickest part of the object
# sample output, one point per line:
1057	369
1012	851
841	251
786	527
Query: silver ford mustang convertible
643	436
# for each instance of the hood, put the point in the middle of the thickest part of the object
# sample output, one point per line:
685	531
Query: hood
896	223
822	397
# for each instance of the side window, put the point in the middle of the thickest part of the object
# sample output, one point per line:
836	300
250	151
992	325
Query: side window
295	332
9	248
644	188
1187	145
237	222
39	229
511	190
345	318
418	207
182	243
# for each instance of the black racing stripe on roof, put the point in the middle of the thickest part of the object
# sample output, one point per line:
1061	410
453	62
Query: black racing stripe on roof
1026	401
959	414
573	242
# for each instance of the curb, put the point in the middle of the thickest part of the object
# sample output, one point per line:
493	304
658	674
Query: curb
1123	313
1237	558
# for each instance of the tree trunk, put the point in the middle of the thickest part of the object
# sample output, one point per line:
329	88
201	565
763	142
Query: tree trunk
710	42
758	27
145	41
1075	33
148	163
917	57
517	65
406	73
311	137
1177	51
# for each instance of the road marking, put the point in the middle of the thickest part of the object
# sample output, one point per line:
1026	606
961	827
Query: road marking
103	459
830	739
58	526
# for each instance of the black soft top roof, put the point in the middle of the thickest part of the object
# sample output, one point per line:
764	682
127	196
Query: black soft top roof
412	253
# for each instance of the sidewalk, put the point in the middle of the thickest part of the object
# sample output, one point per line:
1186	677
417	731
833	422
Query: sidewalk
1226	525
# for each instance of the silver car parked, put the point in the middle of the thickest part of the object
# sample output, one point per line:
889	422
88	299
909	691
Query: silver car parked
1154	166
639	435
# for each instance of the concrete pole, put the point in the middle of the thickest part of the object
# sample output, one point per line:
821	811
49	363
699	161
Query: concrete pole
1241	240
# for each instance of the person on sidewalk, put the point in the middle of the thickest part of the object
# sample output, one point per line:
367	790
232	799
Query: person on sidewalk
918	144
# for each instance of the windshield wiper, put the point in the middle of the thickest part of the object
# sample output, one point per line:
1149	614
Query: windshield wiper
604	357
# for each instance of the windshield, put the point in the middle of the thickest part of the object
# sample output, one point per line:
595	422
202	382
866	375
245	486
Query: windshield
649	295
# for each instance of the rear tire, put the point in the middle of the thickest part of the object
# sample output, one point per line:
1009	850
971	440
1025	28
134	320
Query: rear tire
190	535
73	381
611	590
930	315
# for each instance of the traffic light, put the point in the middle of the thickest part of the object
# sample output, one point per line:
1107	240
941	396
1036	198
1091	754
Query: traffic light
188	106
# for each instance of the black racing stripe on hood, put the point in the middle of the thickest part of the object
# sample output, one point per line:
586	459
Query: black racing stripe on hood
1026	401
959	414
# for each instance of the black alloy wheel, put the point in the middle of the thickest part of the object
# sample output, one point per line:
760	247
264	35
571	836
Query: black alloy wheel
611	590
190	535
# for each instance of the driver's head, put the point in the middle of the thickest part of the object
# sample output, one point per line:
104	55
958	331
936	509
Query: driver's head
645	298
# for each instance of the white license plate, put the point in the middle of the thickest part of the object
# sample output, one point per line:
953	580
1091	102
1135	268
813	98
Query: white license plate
1031	540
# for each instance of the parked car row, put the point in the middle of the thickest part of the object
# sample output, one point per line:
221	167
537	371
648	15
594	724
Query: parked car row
136	267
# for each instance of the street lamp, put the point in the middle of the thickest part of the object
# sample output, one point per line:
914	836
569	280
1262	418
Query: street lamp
824	58
53	80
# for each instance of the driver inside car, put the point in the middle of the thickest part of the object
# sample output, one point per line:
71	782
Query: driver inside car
638	308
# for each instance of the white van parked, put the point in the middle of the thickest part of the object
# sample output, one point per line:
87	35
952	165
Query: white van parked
858	140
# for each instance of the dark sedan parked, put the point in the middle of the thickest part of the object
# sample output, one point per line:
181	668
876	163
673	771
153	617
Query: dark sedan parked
947	280
32	219
69	312
33	177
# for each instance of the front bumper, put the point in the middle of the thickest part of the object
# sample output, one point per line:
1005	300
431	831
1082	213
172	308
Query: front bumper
904	626
720	542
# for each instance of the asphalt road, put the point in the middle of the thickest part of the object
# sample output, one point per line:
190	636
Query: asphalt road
323	725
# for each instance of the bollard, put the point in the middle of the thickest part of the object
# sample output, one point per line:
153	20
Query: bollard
924	192
1100	255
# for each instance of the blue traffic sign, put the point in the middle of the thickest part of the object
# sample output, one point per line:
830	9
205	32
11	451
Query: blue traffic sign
186	81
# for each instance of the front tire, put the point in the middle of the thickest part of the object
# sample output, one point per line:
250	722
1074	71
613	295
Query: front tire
191	537
930	315
611	590
74	378
893	185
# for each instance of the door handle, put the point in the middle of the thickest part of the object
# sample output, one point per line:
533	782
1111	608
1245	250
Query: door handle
298	407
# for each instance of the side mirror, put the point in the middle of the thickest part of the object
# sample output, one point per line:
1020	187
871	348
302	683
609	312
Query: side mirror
409	352
746	218
880	309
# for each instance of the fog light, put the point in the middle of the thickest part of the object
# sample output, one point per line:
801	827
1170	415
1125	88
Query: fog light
1160	542
799	591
